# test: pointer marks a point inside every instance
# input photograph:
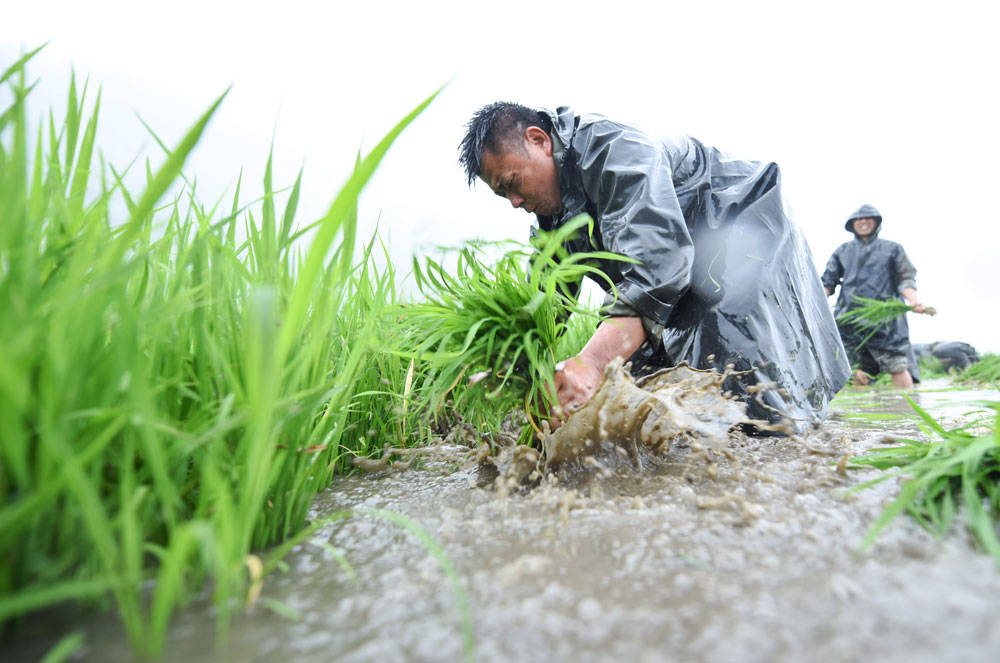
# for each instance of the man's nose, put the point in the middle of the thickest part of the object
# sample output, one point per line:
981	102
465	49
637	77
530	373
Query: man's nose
516	200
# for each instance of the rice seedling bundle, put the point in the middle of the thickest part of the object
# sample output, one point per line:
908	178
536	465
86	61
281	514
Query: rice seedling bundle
870	315
955	475
172	396
874	312
505	319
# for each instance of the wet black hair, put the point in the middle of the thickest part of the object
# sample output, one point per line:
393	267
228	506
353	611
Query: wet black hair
494	126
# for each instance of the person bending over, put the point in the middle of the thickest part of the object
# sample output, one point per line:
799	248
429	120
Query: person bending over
723	277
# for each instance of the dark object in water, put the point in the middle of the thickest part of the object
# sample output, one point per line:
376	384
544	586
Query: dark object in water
952	354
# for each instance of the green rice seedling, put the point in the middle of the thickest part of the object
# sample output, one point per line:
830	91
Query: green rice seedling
578	330
956	468
172	395
475	404
881	416
64	649
882	380
502	320
931	367
872	314
984	371
382	411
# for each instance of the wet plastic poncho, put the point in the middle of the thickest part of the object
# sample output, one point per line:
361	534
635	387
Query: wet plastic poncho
878	269
724	278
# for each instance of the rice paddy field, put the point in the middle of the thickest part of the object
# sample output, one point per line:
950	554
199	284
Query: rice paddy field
225	435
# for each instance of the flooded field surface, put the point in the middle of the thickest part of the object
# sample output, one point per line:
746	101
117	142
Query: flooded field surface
745	553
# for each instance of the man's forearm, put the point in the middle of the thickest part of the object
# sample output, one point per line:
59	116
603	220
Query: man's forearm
615	337
910	295
580	376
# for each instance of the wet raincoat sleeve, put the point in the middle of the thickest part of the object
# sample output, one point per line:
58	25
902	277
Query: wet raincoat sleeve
833	273
628	178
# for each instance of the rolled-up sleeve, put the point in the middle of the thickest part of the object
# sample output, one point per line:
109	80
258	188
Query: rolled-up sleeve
628	177
906	273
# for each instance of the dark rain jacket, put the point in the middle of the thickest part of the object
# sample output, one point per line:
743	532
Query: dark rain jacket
877	269
724	277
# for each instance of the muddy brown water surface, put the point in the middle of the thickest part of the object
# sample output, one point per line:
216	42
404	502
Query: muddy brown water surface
751	554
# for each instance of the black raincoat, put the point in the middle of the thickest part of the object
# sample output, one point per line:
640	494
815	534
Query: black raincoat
724	278
878	269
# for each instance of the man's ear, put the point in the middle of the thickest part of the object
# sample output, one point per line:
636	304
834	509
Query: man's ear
539	138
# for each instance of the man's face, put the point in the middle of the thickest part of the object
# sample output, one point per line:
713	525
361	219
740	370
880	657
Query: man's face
525	174
864	226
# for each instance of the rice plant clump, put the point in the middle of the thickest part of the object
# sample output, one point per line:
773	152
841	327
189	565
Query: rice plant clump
503	320
984	371
956	475
172	396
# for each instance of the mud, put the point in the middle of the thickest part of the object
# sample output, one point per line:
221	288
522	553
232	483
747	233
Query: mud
679	405
627	423
746	550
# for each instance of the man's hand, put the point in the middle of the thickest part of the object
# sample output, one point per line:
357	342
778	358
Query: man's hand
576	383
580	376
860	378
910	295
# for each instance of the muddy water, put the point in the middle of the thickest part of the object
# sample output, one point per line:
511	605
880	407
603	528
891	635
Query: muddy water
745	555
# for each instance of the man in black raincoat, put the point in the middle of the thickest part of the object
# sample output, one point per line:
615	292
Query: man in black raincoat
872	267
723	277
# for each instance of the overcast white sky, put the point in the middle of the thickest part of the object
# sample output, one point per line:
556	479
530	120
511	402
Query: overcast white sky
892	104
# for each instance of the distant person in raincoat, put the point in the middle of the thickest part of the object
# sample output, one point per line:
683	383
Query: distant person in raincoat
723	277
952	354
872	267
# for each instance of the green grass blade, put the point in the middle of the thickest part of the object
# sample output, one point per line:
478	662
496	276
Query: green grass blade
18	65
164	178
332	222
